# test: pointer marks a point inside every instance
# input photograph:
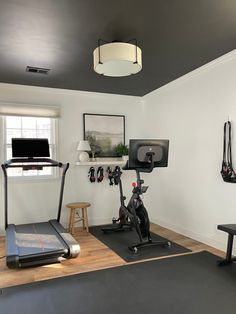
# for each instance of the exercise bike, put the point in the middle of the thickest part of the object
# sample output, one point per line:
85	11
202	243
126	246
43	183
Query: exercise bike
135	215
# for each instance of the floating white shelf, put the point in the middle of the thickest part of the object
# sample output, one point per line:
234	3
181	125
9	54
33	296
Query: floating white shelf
101	162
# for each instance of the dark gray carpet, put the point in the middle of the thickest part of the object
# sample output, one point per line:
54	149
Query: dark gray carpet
190	284
120	241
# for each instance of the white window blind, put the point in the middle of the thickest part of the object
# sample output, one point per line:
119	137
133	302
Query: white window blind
9	109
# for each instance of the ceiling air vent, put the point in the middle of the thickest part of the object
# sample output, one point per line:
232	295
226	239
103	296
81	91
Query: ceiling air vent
37	70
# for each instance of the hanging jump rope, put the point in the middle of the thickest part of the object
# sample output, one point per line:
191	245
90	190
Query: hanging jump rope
227	171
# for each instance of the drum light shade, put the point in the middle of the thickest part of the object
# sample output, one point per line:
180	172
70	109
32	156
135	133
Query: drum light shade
117	59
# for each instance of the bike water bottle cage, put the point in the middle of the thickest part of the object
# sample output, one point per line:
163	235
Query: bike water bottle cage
91	174
227	172
100	175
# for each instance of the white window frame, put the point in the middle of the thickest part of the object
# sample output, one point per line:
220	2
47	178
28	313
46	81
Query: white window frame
53	145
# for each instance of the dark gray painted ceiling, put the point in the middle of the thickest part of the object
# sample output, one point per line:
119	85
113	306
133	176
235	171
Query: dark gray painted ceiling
176	36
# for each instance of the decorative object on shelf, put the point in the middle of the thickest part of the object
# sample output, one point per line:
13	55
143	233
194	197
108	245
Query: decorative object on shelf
104	133
84	147
117	58
122	151
125	158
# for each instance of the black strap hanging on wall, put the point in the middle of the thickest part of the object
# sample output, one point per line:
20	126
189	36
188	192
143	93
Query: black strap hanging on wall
91	175
100	174
116	175
110	175
227	171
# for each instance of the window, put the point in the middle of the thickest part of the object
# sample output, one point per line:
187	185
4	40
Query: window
32	127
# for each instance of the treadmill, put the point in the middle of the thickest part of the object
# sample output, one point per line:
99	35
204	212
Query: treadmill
36	243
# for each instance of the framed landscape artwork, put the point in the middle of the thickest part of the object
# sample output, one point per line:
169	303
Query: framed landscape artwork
104	133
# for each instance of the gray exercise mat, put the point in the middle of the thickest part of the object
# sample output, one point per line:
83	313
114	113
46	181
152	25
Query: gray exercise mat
119	242
190	284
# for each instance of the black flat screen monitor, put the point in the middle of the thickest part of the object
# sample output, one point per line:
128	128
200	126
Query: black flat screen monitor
138	150
30	147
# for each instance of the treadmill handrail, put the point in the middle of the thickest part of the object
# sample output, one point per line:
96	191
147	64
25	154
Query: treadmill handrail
11	163
21	162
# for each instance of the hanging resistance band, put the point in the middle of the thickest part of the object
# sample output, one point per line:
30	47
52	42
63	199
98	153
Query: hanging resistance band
91	175
227	171
100	174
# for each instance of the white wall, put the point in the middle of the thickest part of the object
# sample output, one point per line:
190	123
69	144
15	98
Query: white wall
190	196
37	201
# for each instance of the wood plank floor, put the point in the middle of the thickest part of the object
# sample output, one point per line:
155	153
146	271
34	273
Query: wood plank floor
94	255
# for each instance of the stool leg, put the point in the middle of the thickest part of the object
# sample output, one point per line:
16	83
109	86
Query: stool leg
86	219
83	222
73	222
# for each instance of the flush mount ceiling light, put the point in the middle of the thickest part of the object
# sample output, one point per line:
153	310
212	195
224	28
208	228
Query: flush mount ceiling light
117	58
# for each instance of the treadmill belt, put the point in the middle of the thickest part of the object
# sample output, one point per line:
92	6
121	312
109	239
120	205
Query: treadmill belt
37	238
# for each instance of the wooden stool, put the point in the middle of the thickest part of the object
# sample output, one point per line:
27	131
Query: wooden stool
73	212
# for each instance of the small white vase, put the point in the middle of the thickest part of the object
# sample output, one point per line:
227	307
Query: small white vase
125	158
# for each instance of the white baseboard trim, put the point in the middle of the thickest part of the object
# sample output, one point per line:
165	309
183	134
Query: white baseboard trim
96	221
99	221
188	233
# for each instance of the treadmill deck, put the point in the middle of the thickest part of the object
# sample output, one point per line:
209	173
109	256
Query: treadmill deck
38	244
38	238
